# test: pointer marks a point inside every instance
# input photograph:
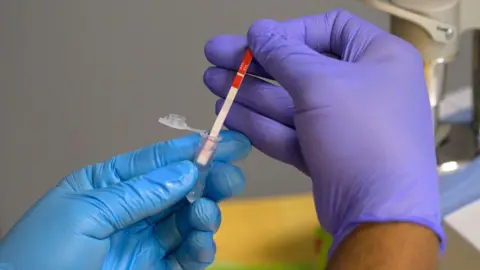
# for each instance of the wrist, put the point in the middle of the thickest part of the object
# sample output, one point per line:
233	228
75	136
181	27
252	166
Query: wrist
383	199
433	226
393	245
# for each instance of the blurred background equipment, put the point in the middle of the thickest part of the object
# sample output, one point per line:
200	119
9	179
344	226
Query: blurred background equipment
435	29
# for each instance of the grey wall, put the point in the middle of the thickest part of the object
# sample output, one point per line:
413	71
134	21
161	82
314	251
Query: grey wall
83	80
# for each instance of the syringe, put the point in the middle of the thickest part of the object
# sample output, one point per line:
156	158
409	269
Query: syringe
209	143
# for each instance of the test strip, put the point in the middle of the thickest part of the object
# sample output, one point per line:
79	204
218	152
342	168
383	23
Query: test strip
237	81
206	152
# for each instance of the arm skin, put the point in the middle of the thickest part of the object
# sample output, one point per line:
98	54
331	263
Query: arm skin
389	246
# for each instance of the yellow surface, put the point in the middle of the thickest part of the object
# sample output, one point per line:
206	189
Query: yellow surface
266	231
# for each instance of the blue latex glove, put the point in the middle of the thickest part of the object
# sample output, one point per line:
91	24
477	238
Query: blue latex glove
360	126
129	212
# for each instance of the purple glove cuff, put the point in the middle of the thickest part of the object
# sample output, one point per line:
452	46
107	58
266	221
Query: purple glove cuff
436	227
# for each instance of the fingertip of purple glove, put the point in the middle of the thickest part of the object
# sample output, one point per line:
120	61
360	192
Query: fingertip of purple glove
214	78
220	49
260	32
263	27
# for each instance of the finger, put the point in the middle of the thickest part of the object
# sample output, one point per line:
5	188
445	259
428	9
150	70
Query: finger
329	32
231	148
288	60
204	215
128	202
299	43
201	215
227	51
196	252
224	181
270	137
278	47
256	94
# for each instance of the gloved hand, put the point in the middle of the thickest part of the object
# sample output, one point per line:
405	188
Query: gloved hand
359	125
129	212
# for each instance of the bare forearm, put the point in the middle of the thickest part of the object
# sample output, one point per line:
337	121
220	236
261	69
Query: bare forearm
392	246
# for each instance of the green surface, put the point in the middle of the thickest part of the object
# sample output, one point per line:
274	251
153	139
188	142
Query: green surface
323	254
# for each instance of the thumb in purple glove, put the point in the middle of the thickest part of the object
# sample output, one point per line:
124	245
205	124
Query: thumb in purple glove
360	125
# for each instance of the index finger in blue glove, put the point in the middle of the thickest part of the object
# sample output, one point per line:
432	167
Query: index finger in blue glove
233	147
110	209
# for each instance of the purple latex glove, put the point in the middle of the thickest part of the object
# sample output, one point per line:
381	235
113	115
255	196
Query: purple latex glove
360	125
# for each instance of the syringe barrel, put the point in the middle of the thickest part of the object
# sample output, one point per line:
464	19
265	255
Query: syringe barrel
203	158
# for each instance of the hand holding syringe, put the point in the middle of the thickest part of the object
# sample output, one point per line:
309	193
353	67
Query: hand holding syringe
209	142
